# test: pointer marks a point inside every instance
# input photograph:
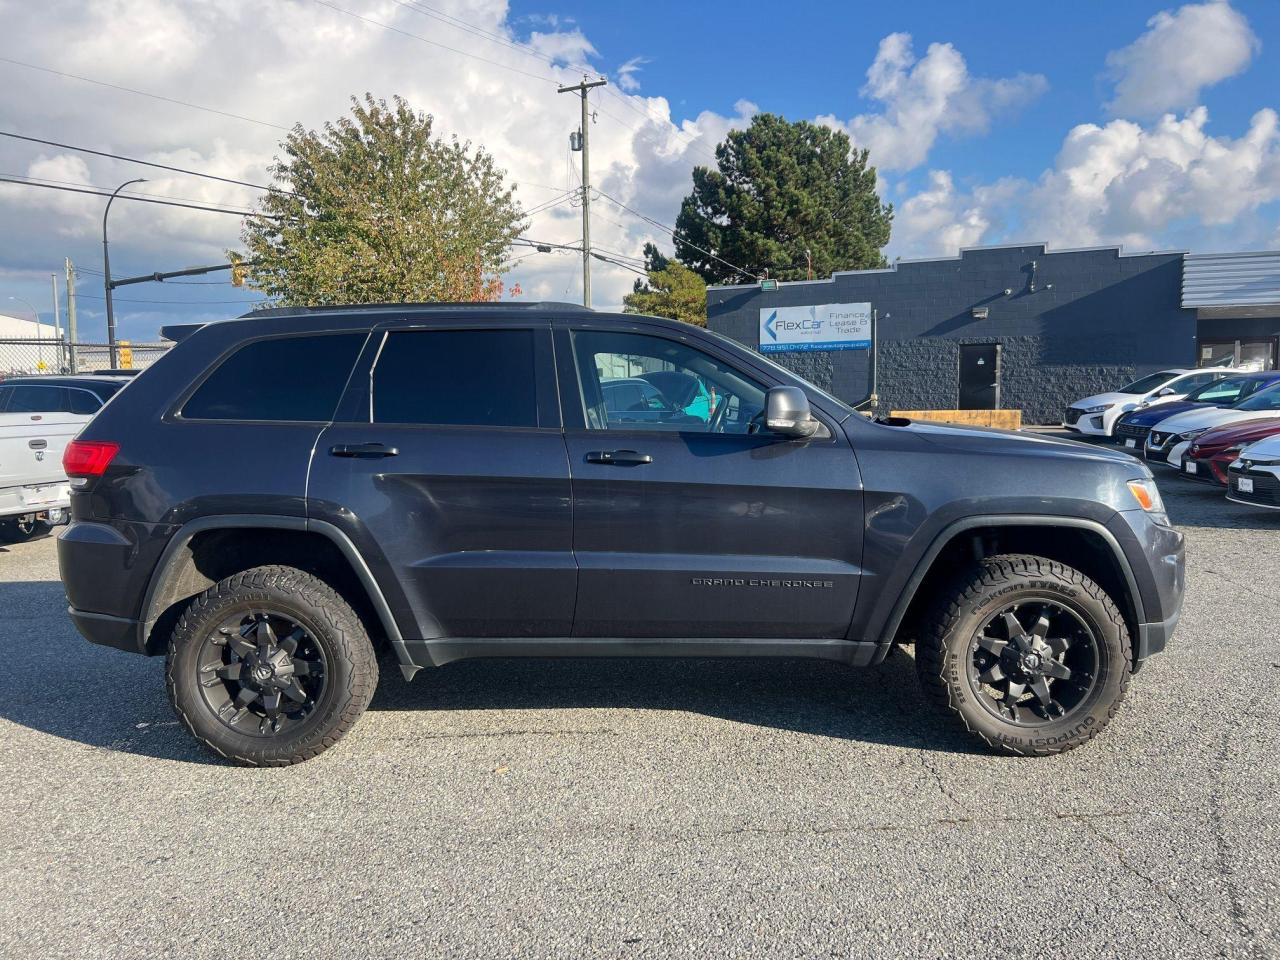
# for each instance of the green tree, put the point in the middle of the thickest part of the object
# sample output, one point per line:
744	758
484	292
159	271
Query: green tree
672	291
782	188
374	209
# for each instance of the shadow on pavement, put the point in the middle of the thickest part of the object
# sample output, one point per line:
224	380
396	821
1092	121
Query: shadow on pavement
56	683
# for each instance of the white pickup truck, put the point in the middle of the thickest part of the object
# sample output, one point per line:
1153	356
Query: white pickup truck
38	417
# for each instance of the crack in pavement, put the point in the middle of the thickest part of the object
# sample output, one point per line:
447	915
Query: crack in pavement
942	784
1251	587
1156	885
480	734
920	825
1226	871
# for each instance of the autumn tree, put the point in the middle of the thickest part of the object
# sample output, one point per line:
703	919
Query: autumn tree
779	189
672	290
374	209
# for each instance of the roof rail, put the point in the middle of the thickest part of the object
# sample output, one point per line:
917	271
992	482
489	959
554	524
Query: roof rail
417	307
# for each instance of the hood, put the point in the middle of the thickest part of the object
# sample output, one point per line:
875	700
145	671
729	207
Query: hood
1161	411
988	440
1268	449
1207	419
1233	433
1115	399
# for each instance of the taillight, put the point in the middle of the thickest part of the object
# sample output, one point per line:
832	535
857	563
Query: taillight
84	459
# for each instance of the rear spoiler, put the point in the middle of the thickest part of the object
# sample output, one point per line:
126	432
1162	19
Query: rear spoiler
178	332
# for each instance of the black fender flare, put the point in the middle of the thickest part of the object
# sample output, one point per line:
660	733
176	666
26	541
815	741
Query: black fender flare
169	563
957	527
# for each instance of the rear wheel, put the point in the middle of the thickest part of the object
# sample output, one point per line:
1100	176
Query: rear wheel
1030	654
270	667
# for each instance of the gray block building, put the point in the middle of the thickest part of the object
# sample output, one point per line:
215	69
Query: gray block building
1025	327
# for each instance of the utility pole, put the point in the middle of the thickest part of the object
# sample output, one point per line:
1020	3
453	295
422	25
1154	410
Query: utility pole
71	315
581	89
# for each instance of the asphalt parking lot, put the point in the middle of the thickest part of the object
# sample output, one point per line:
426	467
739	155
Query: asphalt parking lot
651	808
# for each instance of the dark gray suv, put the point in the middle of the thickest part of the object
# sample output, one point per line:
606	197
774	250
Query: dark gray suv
283	493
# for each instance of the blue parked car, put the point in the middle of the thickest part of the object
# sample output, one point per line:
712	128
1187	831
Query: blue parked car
1133	427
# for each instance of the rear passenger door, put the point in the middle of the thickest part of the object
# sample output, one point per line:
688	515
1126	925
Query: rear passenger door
447	468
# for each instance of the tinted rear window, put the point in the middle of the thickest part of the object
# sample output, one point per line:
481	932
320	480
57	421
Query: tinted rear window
288	378
38	398
84	401
471	377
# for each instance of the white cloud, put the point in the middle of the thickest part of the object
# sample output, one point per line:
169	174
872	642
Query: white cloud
1167	184
1181	53
923	99
299	61
627	74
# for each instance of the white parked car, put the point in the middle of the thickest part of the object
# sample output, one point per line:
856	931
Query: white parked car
38	416
1170	439
1254	478
1096	416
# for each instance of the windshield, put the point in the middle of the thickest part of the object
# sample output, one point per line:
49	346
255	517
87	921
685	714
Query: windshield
1226	390
1267	398
1149	383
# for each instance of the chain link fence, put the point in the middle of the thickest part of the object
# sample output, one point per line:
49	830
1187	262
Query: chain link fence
23	357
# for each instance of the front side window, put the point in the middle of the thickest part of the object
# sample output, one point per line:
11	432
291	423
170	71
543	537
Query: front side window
632	381
456	377
286	379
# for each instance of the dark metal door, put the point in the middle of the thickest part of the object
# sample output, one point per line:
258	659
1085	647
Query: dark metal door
980	376
468	523
680	533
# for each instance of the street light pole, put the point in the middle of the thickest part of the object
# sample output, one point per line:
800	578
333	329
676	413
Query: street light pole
106	273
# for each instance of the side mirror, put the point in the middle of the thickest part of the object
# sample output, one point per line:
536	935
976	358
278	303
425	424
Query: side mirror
1167	392
786	412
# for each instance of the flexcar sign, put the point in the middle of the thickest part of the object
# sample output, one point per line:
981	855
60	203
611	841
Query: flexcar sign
832	326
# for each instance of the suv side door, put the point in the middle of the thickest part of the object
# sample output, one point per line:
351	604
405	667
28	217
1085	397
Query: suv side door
689	526
446	468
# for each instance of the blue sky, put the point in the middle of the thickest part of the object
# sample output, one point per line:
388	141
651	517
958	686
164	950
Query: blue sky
1146	124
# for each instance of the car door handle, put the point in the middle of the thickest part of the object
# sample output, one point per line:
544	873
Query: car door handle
37	444
620	458
365	451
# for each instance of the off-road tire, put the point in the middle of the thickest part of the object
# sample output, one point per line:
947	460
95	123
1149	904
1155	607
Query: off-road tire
351	670
961	609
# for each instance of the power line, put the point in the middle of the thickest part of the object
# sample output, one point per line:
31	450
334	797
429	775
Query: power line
126	194
144	163
143	93
458	23
137	197
116	299
434	43
195	173
674	237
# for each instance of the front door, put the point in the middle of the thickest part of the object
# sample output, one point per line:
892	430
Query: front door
686	523
449	470
979	376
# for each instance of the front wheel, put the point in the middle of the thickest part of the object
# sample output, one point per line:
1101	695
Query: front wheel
270	667
1030	654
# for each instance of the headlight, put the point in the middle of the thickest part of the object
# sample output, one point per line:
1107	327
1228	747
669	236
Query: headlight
1099	408
1147	494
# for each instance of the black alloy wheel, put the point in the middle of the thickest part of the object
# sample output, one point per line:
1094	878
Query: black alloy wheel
1035	660
261	672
